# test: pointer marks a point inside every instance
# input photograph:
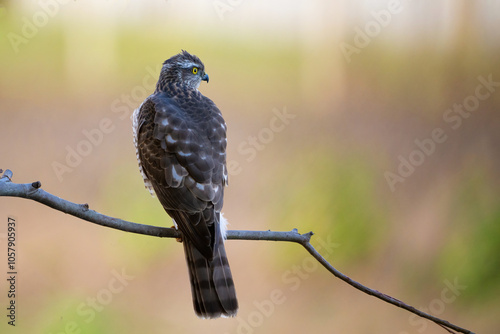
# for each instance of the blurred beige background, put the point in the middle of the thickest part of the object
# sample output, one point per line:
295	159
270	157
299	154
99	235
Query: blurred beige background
372	123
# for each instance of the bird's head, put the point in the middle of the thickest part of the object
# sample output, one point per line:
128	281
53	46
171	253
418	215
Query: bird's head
185	69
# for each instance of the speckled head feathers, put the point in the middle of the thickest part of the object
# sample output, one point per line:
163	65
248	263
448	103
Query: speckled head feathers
183	69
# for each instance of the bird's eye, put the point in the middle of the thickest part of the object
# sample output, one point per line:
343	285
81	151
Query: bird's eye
195	70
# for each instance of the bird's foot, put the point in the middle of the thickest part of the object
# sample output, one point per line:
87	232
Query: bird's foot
177	239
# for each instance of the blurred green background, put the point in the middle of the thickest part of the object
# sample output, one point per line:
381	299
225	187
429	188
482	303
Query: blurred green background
322	101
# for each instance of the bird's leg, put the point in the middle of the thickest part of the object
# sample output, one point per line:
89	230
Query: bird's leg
177	239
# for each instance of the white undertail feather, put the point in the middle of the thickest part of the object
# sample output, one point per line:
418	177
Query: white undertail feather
135	130
223	226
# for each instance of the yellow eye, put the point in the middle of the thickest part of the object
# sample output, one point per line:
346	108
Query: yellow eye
195	70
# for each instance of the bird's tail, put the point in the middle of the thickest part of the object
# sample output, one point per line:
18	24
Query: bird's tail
211	282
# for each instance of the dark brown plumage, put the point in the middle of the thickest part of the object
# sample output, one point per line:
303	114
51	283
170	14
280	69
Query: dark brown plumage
180	138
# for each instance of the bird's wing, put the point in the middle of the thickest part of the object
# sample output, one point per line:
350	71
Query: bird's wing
182	151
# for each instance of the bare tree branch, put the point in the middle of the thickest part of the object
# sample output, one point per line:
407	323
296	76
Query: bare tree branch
34	192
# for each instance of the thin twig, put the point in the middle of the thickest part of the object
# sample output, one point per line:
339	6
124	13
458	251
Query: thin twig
34	192
379	294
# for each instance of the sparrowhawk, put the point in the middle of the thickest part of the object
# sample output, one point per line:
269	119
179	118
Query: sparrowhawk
180	140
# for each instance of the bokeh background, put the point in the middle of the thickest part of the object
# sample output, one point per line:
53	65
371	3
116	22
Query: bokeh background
323	100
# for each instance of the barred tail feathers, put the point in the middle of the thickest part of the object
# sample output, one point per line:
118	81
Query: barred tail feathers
212	284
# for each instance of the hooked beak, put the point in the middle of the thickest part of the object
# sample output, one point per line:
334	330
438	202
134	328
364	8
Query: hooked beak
205	77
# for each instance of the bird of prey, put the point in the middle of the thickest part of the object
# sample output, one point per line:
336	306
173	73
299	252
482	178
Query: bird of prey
180	140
